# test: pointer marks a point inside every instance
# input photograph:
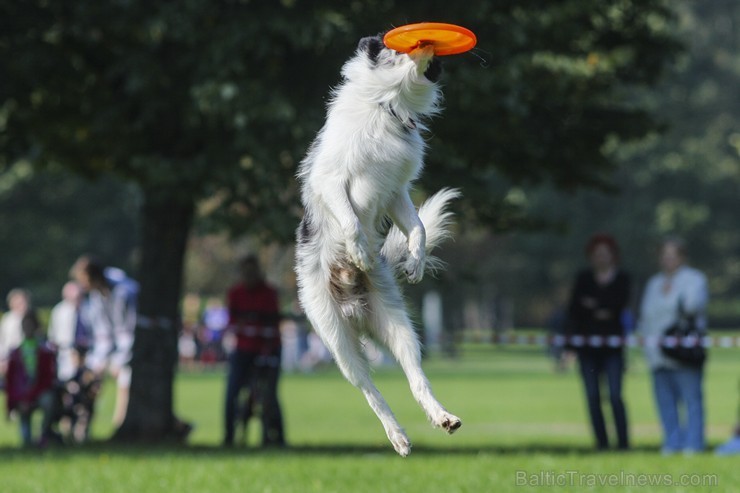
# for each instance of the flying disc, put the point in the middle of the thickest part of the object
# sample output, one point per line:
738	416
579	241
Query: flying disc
447	39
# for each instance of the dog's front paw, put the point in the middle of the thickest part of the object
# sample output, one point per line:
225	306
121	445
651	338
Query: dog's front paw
400	441
414	269
357	252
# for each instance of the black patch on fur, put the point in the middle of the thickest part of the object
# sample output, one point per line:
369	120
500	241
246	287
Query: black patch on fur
372	45
384	225
408	126
434	69
306	230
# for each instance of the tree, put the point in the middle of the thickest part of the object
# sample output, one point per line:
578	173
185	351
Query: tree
682	180
46	221
219	99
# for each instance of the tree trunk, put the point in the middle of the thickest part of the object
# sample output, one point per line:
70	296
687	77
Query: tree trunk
166	223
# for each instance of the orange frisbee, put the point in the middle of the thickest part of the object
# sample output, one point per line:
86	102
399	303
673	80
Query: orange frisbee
447	39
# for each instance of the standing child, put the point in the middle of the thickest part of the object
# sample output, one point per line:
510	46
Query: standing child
30	380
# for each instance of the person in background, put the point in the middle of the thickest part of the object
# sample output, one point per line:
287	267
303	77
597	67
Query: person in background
68	329
598	298
112	302
677	387
255	362
11	333
30	381
187	348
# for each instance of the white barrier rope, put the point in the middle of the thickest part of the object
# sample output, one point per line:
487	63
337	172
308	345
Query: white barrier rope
246	330
614	341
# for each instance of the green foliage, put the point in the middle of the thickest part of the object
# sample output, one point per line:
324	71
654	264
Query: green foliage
681	181
220	99
215	102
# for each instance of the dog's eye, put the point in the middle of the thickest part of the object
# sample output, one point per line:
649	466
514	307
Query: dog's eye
372	46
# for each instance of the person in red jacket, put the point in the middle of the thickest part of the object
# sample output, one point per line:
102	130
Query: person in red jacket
255	362
30	380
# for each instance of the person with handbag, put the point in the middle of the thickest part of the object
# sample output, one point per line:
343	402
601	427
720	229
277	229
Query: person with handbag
674	304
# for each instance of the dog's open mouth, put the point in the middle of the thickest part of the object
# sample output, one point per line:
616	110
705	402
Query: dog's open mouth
424	49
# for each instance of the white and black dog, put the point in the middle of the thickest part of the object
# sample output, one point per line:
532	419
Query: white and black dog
361	232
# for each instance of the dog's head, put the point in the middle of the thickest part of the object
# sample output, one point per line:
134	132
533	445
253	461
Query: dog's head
404	81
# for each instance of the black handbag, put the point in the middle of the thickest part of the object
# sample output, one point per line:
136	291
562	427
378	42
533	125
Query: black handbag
683	342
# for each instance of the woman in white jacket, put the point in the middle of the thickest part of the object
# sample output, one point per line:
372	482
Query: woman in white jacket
111	311
675	385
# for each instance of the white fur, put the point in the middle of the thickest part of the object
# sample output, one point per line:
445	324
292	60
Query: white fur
355	177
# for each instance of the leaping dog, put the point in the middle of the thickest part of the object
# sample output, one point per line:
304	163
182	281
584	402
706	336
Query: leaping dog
361	232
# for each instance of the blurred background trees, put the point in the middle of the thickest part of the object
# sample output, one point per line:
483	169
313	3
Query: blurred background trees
683	180
210	105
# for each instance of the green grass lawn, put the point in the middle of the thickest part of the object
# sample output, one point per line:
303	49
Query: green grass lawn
524	429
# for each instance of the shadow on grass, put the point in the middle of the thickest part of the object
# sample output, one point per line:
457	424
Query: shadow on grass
159	450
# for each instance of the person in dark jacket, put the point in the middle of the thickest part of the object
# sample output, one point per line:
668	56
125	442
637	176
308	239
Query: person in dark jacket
30	380
598	301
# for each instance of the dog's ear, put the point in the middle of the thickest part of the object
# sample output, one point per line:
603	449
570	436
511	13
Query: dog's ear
372	46
434	69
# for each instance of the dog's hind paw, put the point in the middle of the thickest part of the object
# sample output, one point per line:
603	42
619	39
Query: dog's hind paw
450	423
400	442
357	253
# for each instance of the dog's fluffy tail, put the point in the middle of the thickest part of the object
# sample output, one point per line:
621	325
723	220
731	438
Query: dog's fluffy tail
436	219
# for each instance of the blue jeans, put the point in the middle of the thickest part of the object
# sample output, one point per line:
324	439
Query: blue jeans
241	371
680	401
44	403
610	363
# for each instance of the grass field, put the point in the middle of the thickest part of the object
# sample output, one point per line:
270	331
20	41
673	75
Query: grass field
524	429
